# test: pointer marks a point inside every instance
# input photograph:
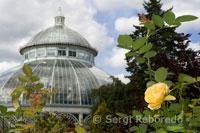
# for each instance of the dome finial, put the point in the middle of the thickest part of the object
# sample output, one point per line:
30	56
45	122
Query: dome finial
60	11
59	19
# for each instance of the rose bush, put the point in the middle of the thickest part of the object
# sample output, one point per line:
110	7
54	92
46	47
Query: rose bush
159	86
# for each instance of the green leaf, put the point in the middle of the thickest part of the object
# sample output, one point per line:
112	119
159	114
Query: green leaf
19	125
175	128
27	70
3	109
134	128
150	54
121	115
169	83
20	88
15	97
124	46
32	125
161	130
135	113
131	54
16	93
153	32
186	18
145	48
176	23
198	79
169	18
158	20
189	79
24	79
125	39
18	113
147	113
38	86
80	129
10	113
16	129
15	103
175	107
35	78
150	83
196	110
143	128
150	26
161	74
139	60
139	43
195	121
186	78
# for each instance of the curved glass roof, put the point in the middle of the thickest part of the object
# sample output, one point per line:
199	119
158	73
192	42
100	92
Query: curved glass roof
74	79
59	34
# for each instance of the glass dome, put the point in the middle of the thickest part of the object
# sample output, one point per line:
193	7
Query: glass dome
63	59
74	79
58	34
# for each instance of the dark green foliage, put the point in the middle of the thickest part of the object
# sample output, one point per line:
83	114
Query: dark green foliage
118	96
51	122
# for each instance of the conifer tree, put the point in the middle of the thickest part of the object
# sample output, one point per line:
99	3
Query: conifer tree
172	48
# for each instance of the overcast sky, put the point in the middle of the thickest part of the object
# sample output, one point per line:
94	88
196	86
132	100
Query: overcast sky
99	21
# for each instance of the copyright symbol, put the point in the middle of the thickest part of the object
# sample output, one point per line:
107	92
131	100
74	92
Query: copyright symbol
96	119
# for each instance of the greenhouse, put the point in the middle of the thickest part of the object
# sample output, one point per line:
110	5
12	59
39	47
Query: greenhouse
63	59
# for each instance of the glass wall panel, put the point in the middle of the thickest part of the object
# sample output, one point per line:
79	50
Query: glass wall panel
32	53
61	52
41	52
92	58
72	53
51	51
87	56
81	54
26	56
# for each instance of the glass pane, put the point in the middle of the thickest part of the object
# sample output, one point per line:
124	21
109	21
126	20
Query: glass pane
61	52
81	55
72	53
51	51
41	52
32	54
87	56
26	56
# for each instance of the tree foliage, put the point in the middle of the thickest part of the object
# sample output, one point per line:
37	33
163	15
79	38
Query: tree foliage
170	45
118	96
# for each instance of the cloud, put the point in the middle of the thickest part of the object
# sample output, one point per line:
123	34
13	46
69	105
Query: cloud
195	46
110	5
122	78
20	20
125	25
116	58
7	65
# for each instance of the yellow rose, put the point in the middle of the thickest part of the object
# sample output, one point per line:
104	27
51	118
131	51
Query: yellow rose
154	95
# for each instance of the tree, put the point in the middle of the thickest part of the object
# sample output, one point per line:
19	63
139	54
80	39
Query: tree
172	48
118	96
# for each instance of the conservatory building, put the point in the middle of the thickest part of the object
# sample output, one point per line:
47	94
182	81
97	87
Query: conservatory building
63	59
